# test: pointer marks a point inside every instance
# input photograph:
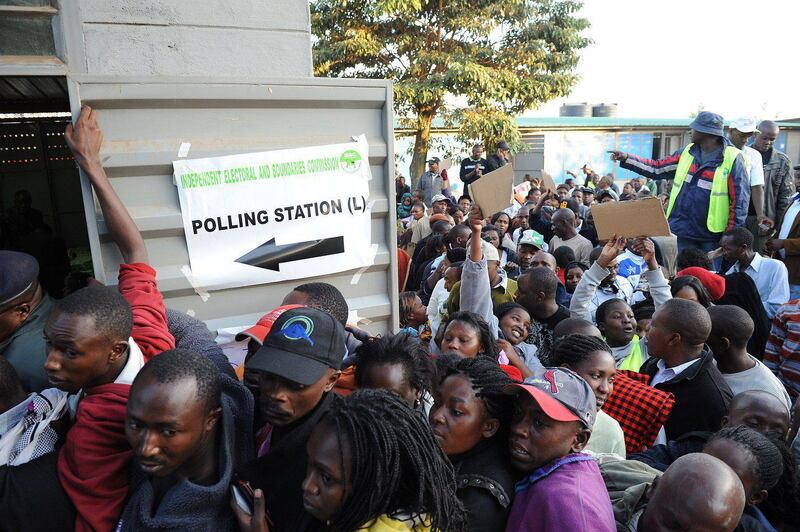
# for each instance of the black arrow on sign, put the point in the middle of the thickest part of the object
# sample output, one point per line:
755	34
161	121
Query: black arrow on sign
270	256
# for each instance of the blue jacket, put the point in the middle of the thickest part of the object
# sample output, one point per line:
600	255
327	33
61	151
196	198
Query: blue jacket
689	214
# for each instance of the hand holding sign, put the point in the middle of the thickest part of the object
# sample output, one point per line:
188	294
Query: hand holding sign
493	191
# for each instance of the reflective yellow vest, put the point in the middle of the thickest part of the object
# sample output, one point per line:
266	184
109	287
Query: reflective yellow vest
719	203
634	360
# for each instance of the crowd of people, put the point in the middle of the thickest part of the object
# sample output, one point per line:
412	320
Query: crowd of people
542	380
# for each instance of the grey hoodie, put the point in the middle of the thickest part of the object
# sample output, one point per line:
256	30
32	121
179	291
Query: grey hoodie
193	507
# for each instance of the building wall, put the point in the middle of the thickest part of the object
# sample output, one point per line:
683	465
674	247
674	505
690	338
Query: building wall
793	145
216	38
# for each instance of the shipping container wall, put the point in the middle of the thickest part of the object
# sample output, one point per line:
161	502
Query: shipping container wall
145	122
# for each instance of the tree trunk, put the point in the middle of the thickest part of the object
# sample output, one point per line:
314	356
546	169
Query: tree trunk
421	143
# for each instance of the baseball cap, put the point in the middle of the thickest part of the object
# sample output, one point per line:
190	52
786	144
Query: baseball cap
561	393
531	238
433	160
260	330
438	197
503	145
745	125
301	345
18	271
587	190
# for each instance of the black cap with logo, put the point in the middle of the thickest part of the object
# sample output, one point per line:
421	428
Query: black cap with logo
301	345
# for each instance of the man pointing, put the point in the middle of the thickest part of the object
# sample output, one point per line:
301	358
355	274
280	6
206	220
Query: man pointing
711	191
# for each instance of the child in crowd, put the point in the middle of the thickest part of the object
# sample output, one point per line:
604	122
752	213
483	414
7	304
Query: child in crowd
564	255
400	364
514	323
731	329
680	363
591	359
373	465
553	418
573	272
437	305
469	420
643	315
414	316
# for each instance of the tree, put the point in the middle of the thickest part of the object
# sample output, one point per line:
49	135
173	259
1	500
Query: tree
501	57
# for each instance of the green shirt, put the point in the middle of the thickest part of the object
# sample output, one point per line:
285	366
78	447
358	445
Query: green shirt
26	350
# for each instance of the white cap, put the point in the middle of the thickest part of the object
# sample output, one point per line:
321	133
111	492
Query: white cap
745	125
438	197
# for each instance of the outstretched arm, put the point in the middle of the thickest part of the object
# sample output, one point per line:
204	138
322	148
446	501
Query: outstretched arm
84	139
652	168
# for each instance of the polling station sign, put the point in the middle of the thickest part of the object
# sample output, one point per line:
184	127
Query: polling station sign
273	216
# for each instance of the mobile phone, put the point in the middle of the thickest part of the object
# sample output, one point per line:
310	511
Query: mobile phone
243	495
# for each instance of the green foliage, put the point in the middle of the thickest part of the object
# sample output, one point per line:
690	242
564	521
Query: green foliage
501	57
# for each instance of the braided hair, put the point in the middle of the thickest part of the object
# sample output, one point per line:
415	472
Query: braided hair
396	466
488	342
575	348
487	379
784	499
396	349
767	457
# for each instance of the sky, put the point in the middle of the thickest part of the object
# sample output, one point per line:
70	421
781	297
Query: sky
664	59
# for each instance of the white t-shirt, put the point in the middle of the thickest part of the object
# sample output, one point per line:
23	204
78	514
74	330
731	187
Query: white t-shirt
755	168
759	377
788	220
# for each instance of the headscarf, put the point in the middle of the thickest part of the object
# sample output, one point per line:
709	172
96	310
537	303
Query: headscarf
403	210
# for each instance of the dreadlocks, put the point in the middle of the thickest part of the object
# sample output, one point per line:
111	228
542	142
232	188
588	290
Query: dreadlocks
396	465
575	348
396	349
487	379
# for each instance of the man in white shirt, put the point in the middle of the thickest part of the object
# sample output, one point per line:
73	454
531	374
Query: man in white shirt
769	275
740	131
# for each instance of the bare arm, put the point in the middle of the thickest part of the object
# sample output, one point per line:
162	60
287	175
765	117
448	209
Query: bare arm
85	139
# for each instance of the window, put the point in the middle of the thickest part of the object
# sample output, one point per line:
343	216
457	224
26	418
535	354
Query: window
26	28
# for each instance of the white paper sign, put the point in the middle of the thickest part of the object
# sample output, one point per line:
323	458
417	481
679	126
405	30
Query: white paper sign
273	216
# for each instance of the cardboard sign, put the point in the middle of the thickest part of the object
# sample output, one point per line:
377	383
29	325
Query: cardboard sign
547	182
272	216
493	191
446	164
644	217
521	192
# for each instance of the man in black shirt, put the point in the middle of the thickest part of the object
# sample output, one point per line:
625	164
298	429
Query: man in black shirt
500	157
472	167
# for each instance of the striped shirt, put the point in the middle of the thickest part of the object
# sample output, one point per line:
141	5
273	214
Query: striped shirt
782	354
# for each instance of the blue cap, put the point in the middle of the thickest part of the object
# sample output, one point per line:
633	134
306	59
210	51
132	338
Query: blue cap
18	271
708	122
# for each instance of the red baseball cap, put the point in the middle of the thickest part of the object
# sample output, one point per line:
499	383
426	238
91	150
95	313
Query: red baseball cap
561	394
260	330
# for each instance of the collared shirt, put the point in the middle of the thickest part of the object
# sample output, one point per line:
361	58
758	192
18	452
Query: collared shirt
771	279
788	220
755	167
665	374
